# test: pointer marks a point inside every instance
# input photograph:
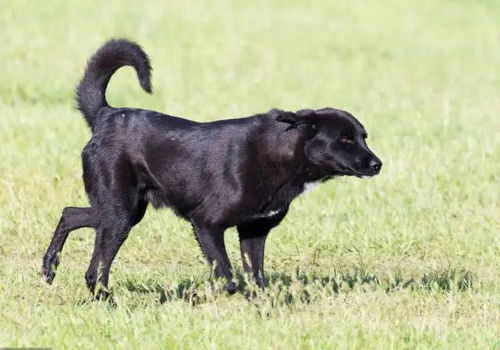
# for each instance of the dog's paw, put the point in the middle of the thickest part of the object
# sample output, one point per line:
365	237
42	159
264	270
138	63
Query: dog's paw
48	273
103	295
230	287
49	266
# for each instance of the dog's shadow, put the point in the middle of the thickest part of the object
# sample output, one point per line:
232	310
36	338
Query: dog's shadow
187	290
288	288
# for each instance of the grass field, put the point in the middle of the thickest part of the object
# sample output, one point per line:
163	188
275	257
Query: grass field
410	259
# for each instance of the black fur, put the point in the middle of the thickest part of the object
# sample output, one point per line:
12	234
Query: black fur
239	172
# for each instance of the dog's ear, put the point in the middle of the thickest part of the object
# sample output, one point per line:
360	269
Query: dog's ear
306	113
302	117
287	117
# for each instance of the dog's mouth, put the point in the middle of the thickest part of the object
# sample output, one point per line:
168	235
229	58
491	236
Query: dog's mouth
348	171
366	175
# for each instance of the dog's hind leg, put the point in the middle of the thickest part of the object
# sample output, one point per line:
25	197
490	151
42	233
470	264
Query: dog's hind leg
71	219
112	231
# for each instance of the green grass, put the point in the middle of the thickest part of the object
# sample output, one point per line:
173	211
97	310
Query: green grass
409	259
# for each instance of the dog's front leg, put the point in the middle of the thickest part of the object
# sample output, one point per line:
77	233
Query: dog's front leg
253	236
252	243
212	245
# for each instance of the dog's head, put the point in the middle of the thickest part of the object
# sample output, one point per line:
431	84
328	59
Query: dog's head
335	141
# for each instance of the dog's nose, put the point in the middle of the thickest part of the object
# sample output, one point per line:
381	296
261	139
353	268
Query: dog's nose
375	164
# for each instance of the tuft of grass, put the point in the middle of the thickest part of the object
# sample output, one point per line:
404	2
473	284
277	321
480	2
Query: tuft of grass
407	260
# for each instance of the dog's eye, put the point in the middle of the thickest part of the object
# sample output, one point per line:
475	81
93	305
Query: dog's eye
346	139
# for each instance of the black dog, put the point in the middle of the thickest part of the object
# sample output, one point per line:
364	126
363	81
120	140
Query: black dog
239	172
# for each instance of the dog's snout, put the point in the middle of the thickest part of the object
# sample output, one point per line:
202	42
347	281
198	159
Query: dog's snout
375	164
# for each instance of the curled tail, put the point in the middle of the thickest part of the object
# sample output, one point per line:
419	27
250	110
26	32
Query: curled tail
114	54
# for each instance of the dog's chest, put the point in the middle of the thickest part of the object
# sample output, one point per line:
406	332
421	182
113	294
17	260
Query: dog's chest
310	185
268	214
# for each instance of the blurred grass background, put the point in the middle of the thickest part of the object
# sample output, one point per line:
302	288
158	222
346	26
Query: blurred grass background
407	260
